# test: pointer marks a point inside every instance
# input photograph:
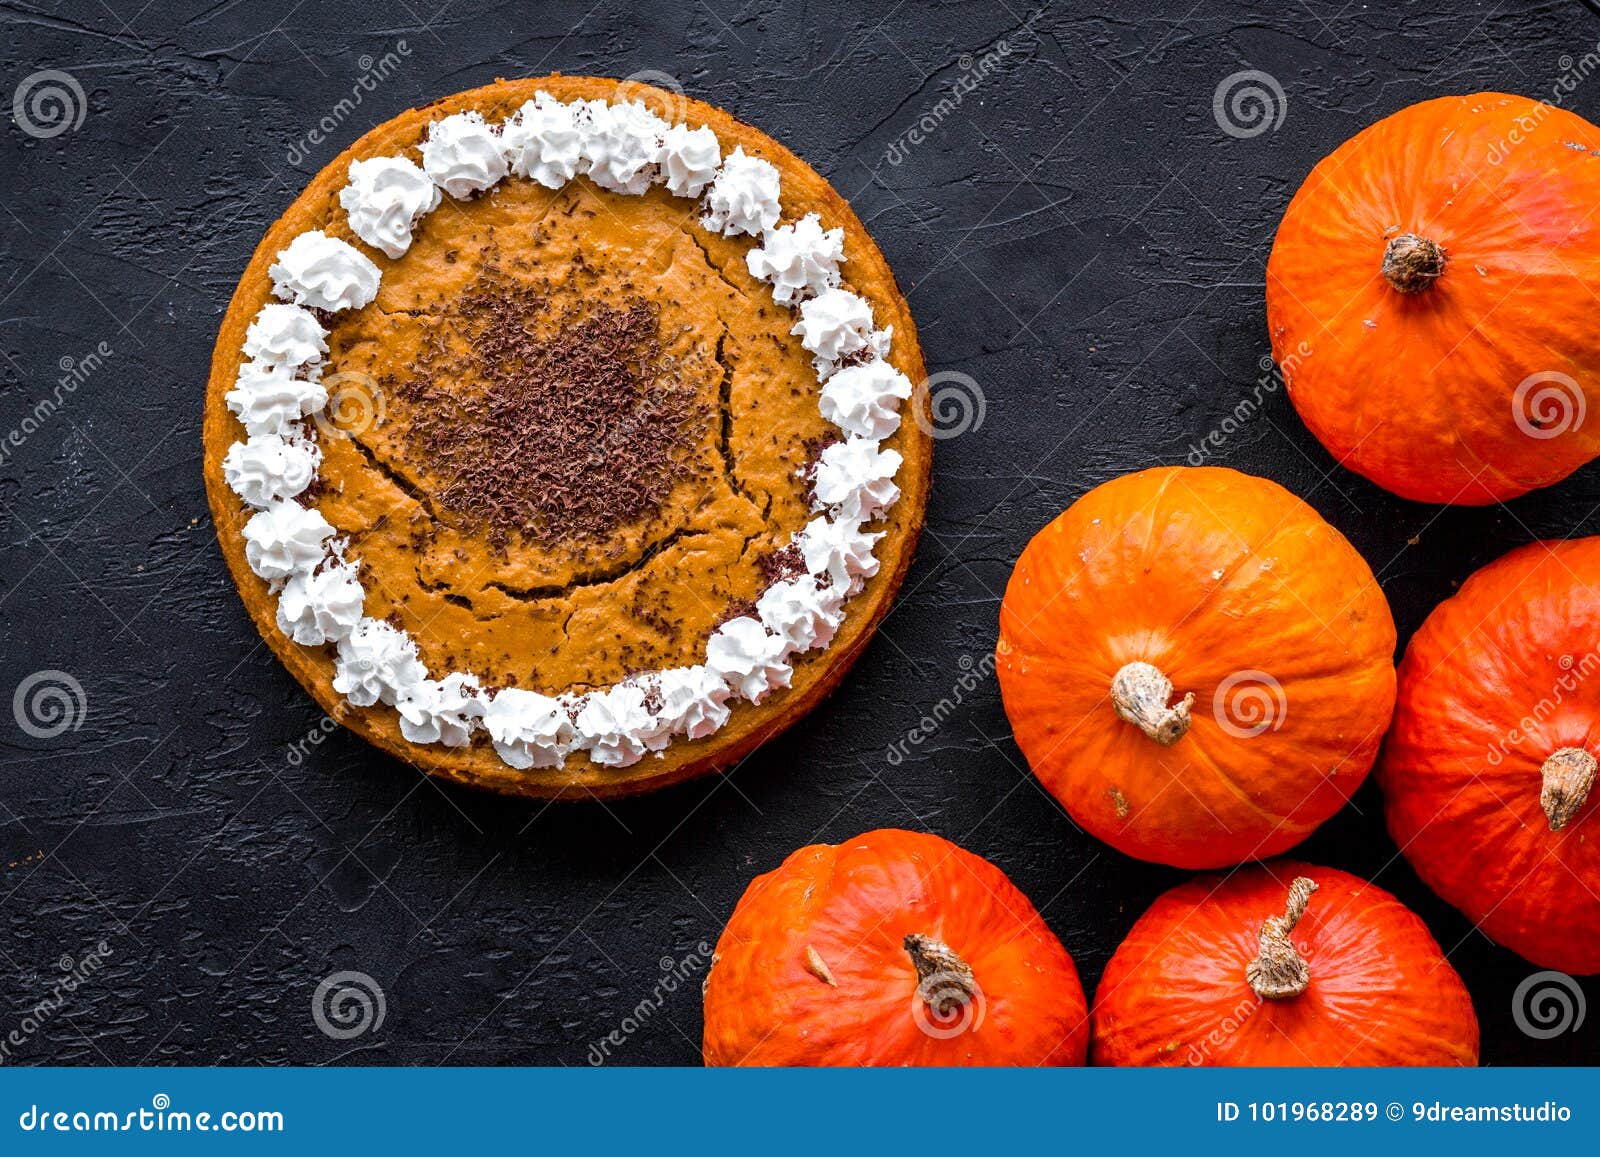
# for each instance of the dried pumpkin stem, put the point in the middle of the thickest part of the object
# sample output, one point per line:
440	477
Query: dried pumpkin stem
1568	779
944	980
818	967
1279	971
1141	695
1412	263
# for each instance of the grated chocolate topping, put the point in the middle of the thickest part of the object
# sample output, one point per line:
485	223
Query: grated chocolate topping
781	565
736	609
570	427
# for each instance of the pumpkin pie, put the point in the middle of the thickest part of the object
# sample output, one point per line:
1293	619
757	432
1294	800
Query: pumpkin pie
562	437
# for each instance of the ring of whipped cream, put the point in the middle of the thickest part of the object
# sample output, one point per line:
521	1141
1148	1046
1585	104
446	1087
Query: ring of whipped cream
625	148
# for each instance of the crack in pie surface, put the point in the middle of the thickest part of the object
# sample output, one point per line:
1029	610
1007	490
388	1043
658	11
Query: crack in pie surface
570	443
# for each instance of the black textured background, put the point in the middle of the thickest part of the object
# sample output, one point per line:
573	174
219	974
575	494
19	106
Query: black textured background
1079	236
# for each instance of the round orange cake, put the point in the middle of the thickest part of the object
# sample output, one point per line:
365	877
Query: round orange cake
559	437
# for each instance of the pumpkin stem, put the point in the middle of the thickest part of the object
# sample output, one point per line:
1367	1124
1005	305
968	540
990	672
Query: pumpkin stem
944	980
818	967
1412	263
1280	972
1140	694
1568	778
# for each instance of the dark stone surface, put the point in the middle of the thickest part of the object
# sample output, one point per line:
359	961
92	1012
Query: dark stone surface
1078	235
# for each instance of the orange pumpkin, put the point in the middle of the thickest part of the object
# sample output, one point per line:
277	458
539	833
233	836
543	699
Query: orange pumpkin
1282	964
1431	298
1488	773
894	948
1196	665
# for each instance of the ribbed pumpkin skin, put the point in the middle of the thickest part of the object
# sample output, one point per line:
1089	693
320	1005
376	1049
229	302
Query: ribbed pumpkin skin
854	903
1381	991
1497	679
1207	574
1416	391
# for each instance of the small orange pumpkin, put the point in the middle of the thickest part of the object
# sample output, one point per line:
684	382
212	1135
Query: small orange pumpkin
894	948
1431	298
1196	665
1282	964
1488	774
